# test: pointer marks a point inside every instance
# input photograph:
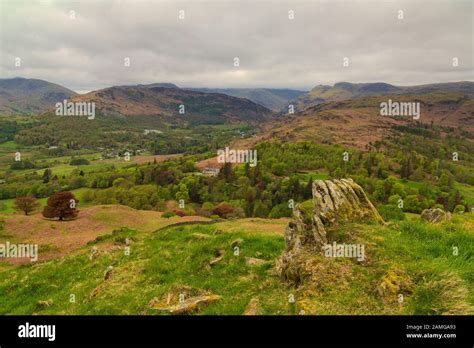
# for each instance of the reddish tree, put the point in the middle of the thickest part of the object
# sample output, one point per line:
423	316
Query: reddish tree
179	212
223	210
61	205
26	204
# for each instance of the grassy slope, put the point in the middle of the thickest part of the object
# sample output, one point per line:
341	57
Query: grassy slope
412	258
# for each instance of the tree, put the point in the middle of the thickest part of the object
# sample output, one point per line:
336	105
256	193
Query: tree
61	205
47	175
279	169
26	204
223	210
79	162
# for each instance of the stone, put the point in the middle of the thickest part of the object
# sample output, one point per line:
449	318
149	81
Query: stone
253	261
435	215
108	273
191	304
220	255
183	299
334	202
201	236
44	304
252	307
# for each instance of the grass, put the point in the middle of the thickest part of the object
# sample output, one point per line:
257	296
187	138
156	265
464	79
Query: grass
6	205
411	258
425	255
156	263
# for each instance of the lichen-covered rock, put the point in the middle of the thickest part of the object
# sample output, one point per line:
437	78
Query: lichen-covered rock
435	215
334	201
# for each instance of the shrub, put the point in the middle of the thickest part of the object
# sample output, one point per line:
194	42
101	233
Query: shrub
280	210
459	209
79	162
391	212
179	212
168	214
223	210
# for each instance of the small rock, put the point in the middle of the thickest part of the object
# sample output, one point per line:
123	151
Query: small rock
237	242
201	236
253	261
44	304
252	307
220	256
435	215
192	304
108	272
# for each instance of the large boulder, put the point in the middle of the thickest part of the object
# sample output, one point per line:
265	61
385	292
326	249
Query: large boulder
435	215
334	202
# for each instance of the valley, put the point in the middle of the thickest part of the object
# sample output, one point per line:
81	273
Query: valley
163	209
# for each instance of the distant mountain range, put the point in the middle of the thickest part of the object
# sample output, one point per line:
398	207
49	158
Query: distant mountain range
271	98
30	96
347	91
450	103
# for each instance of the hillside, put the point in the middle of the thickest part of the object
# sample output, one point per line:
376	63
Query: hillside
271	98
358	122
411	258
164	102
19	96
347	91
56	240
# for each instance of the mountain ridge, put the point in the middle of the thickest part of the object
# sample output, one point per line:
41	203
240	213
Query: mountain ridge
30	96
342	91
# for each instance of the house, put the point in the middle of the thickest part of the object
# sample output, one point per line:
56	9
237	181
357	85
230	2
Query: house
150	131
210	171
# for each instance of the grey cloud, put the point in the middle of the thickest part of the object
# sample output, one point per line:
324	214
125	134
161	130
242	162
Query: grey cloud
88	52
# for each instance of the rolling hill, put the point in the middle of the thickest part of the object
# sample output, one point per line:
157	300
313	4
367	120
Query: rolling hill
348	91
19	96
164	102
357	122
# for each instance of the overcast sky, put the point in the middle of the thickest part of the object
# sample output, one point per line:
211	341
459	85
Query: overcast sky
86	50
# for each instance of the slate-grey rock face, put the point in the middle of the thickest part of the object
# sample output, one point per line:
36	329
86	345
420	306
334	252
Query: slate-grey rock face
334	201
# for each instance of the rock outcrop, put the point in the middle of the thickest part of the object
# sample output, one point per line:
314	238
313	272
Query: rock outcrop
334	202
435	215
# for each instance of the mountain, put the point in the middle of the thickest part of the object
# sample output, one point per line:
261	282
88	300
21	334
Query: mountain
151	85
165	103
271	98
346	91
19	96
358	123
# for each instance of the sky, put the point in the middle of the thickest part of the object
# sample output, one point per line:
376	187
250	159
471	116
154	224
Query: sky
86	45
